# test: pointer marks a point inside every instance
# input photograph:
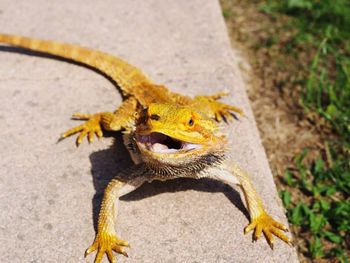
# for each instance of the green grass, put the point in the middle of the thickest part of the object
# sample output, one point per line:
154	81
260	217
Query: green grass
321	207
226	13
325	213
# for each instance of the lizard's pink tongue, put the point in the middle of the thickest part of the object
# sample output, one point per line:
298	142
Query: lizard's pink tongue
161	148
158	147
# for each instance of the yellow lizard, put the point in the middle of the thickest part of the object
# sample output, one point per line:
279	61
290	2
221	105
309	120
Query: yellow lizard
168	135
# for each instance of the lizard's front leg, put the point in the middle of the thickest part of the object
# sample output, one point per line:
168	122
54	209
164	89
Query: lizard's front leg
216	109
106	239
110	121
260	220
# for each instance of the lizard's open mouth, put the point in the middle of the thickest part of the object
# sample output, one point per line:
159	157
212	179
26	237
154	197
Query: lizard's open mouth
161	143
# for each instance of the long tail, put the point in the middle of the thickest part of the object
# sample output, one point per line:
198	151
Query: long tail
125	75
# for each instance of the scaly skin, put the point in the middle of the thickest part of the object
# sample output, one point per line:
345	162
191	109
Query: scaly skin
168	135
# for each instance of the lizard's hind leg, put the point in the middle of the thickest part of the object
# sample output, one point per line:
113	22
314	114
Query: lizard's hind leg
110	121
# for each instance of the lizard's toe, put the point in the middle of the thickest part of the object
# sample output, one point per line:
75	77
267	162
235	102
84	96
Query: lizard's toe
220	111
106	243
89	128
81	116
267	225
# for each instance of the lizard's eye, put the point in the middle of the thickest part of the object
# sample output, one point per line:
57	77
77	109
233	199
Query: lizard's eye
155	117
191	122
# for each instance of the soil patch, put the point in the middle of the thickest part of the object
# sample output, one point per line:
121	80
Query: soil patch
273	88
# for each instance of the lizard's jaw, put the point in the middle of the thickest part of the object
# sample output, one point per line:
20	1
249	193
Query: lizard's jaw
163	144
169	156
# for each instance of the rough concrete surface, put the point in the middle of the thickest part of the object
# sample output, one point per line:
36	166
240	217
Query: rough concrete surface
48	191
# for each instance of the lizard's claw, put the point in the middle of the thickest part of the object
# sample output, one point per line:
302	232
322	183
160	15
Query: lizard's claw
91	127
267	225
221	111
106	243
224	112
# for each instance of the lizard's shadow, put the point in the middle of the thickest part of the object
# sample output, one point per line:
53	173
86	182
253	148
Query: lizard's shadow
107	163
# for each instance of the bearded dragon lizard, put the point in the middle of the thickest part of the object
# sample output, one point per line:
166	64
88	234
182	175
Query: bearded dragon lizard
168	136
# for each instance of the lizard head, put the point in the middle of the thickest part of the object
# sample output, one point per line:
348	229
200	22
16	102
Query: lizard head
176	134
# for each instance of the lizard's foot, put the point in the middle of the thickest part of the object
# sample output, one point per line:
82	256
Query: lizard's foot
89	128
105	243
224	112
221	111
266	224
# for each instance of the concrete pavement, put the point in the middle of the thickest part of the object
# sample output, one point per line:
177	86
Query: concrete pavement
48	191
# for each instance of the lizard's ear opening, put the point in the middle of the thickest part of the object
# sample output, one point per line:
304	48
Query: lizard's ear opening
142	117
